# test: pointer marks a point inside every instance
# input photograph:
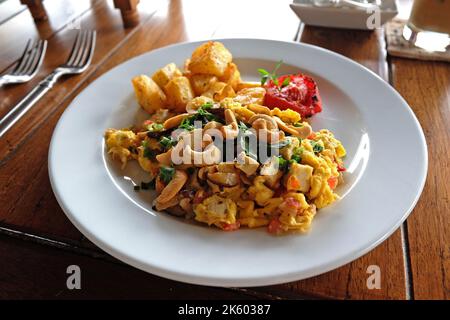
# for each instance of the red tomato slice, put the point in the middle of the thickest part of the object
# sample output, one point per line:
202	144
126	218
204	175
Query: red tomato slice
301	95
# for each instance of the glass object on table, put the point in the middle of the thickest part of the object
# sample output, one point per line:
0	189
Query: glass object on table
428	26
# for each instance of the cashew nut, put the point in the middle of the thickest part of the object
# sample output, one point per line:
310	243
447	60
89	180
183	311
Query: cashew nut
165	158
256	108
210	155
267	128
302	132
213	125
173	187
175	121
224	179
231	130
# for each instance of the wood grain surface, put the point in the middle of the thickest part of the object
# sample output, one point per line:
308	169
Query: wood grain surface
413	261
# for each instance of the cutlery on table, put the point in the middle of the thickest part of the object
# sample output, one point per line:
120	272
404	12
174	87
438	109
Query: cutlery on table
28	65
78	61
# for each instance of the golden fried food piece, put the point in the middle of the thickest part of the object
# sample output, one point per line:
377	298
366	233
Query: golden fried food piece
148	94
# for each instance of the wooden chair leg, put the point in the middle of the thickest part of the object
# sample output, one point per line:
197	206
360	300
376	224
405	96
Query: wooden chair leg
36	8
130	16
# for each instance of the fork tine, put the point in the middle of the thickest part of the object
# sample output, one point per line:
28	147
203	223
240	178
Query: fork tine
37	61
82	50
22	59
87	50
75	48
91	48
30	59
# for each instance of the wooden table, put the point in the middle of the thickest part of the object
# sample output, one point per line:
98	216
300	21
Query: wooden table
37	241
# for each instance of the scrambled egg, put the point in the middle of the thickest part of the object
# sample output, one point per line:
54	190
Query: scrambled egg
118	143
216	210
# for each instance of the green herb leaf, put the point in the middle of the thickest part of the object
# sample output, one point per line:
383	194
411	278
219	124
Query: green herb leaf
264	79
187	124
263	72
278	65
207	105
155	127
166	174
242	126
167	142
282	163
297	158
286	82
316	147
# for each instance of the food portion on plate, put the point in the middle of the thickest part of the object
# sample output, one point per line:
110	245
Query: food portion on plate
230	153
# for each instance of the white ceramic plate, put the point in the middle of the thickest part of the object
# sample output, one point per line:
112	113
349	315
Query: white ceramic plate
387	165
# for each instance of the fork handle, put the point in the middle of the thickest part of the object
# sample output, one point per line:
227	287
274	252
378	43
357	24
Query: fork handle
26	103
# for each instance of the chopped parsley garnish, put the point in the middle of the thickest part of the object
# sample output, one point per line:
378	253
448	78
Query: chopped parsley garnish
155	127
316	146
187	124
167	142
242	126
148	153
283	164
266	75
202	115
298	124
166	174
297	158
207	105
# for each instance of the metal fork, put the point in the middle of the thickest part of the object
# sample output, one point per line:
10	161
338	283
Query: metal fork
28	64
79	60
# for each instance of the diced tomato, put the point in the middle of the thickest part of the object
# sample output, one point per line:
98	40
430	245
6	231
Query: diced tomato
274	226
147	122
301	95
231	226
293	183
311	136
199	197
291	202
340	168
332	182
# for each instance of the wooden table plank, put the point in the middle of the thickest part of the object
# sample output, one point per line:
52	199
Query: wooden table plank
426	87
32	271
